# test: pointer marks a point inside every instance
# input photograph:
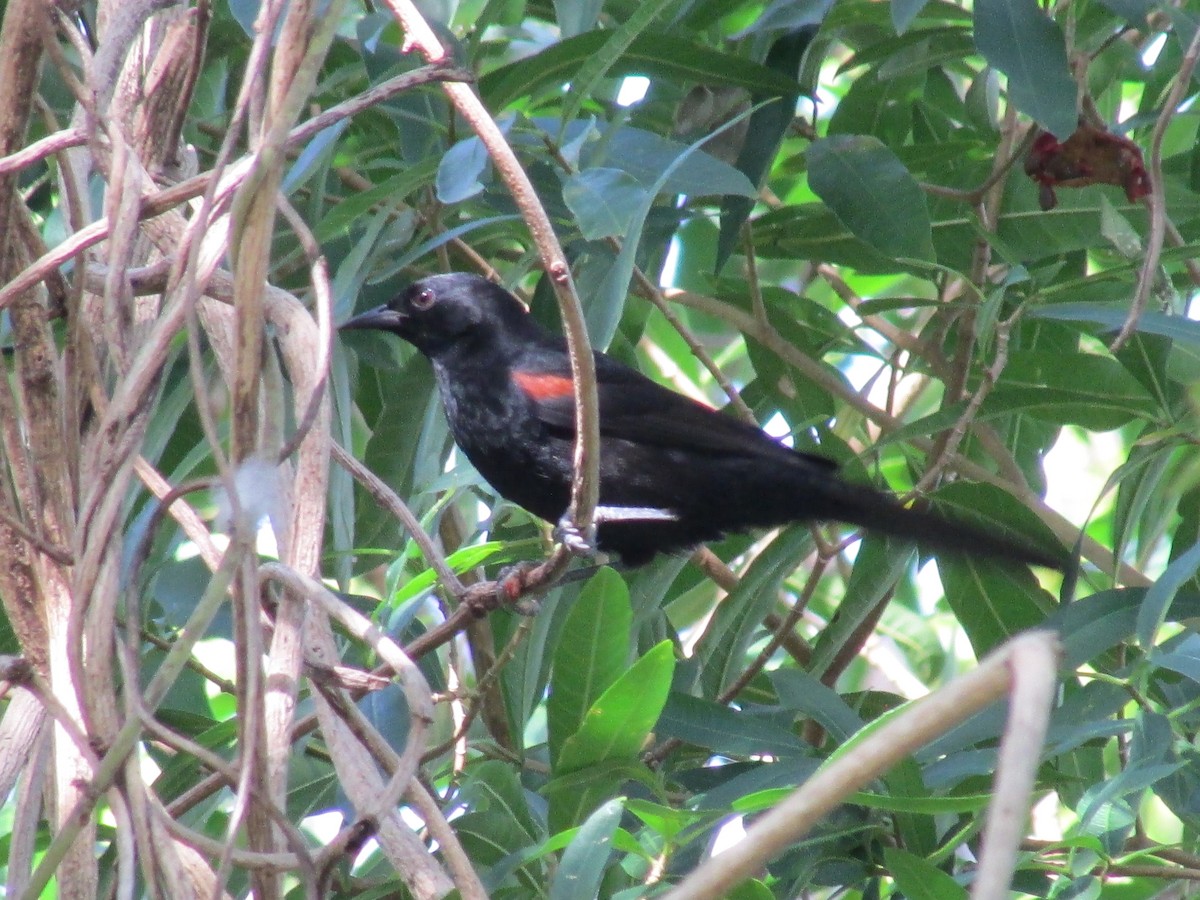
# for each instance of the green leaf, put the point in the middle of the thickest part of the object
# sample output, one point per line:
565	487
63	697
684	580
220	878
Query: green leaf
403	260
872	193
995	510
769	124
927	805
1121	787
919	879
491	785
811	231
1062	406
498	824
666	821
992	601
1020	40
1096	624
720	652
462	560
592	655
1147	357
527	677
750	889
880	562
1157	604
394	446
955	804
1116	228
603	201
708	724
801	692
617	42
577	16
1185	660
1133	11
314	157
618	723
1092	390
1141	480
903	13
582	867
574	795
390	193
1113	316
664	166
354	269
651	54
460	171
609	301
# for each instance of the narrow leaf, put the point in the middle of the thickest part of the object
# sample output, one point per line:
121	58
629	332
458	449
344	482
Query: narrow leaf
1020	40
603	201
919	879
596	66
618	724
1161	595
609	301
584	861
873	194
651	54
1113	316
591	656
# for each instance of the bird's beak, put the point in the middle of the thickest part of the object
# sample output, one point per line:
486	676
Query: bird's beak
381	318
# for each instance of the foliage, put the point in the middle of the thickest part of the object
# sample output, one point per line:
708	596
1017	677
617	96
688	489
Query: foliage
816	215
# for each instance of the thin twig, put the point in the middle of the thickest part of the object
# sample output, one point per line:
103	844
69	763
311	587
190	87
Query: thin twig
39	150
1156	200
323	301
59	554
390	500
948	448
169	198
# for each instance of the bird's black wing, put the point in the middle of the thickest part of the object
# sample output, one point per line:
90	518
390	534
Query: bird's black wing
634	408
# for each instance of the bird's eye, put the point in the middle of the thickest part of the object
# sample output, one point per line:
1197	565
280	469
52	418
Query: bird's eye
422	299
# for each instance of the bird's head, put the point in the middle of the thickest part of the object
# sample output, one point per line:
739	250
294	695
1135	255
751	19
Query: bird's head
441	312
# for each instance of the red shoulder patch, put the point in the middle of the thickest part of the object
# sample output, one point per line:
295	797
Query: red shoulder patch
543	385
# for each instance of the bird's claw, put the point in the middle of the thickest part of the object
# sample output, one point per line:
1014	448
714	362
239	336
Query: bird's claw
509	589
579	541
513	584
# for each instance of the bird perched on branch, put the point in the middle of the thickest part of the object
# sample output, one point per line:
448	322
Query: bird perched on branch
673	472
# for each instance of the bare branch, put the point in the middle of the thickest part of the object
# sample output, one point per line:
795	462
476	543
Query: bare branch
873	755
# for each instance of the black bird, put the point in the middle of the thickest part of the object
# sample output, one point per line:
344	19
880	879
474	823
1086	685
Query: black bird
673	472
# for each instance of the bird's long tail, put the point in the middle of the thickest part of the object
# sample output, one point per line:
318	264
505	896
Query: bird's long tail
876	511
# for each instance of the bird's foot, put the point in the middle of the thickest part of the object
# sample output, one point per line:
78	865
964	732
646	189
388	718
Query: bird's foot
575	539
513	584
510	589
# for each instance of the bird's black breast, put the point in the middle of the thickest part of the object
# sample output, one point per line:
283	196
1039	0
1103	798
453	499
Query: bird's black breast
516	453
